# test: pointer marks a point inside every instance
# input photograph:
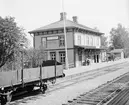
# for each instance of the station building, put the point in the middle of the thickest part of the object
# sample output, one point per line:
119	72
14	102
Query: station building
82	42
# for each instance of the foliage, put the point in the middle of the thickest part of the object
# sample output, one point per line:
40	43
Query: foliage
110	48
120	38
10	38
34	57
104	41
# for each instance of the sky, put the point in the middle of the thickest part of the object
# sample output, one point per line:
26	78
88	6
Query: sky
32	14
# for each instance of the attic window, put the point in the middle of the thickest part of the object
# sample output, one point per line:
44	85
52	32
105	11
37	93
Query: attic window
69	30
54	32
60	31
36	33
45	32
49	32
40	33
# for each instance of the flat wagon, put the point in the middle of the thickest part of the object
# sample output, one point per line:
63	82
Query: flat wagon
27	79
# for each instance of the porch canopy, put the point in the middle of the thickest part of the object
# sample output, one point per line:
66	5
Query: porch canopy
89	47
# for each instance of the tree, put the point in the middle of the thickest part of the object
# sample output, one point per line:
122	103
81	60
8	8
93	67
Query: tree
104	41
10	38
34	57
119	37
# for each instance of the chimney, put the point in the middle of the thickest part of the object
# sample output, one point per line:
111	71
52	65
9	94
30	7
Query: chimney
63	17
75	19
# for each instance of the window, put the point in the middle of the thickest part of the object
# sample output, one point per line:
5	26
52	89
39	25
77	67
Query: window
97	41
79	40
53	55
87	40
61	41
44	43
91	41
62	57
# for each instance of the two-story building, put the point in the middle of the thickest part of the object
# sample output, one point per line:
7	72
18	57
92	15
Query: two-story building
82	42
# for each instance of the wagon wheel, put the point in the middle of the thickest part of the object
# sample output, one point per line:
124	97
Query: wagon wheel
9	97
63	75
53	81
43	88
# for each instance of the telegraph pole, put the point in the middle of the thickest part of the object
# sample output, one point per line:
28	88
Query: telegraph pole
66	55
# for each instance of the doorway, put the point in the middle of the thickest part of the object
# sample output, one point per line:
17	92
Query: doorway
97	58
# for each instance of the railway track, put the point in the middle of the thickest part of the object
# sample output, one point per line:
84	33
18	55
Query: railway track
111	93
121	98
65	82
85	76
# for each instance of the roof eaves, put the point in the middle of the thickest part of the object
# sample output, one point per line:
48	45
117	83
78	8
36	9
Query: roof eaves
88	29
100	33
74	25
50	29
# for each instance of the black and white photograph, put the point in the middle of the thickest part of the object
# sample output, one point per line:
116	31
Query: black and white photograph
64	52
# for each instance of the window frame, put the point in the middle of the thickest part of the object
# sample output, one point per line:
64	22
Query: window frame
97	41
87	40
51	55
91	41
61	41
42	42
79	40
62	57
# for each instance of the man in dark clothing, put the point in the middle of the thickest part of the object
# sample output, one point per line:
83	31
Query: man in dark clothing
88	61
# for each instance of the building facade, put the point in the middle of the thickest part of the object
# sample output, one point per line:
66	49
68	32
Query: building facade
82	42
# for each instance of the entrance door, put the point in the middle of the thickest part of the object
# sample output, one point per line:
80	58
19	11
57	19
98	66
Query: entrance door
80	57
97	58
94	58
80	60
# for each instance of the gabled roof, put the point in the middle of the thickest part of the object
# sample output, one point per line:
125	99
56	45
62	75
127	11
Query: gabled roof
60	24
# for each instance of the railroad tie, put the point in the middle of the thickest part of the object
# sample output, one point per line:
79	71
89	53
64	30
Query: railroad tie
87	102
118	98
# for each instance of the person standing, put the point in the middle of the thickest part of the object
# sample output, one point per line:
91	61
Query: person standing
88	61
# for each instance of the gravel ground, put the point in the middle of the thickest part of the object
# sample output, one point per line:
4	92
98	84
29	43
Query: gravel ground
68	93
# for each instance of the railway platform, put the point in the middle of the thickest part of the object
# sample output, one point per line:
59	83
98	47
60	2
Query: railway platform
81	69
